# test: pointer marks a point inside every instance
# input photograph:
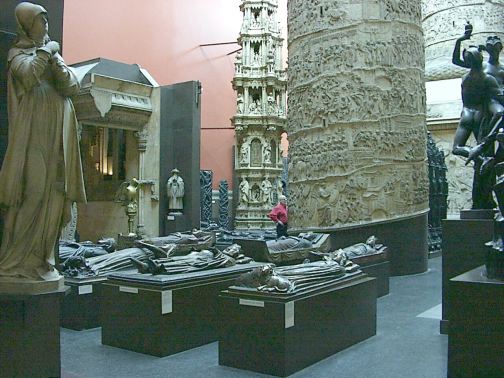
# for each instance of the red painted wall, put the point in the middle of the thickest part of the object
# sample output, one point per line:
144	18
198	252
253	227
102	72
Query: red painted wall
163	36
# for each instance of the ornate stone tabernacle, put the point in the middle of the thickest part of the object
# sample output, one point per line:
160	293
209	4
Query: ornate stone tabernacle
260	84
356	113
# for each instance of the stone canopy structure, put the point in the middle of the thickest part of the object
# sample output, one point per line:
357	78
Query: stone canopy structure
260	83
356	113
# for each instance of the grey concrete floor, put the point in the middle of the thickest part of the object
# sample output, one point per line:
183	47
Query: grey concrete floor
407	344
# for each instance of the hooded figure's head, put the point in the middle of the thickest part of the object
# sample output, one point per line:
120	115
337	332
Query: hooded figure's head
31	25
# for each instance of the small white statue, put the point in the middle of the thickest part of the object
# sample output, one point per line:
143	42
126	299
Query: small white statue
272	109
175	191
266	188
267	153
244	191
244	154
239	104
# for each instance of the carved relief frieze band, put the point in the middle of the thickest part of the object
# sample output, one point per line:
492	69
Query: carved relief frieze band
357	134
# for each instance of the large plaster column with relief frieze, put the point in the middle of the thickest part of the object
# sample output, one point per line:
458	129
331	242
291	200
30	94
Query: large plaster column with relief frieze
356	126
443	22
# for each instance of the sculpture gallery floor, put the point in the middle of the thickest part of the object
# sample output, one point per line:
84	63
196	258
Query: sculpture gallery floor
407	343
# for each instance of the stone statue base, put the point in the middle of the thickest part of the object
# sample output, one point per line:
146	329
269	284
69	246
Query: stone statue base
126	241
21	286
30	334
477	214
494	264
303	328
175	222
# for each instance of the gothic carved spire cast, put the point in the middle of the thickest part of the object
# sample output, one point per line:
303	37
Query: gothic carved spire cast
260	84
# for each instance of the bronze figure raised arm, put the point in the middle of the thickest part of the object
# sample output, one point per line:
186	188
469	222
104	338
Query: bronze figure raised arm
481	95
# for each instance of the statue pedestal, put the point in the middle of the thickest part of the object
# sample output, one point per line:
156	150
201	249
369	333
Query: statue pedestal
281	334
30	334
164	314
126	241
463	249
176	222
494	263
376	266
19	286
477	214
475	341
81	307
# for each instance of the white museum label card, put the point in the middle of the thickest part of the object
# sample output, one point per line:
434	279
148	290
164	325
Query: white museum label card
127	289
250	302
85	289
166	302
289	314
170	217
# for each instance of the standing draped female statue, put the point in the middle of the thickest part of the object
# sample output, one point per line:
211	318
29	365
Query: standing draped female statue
41	174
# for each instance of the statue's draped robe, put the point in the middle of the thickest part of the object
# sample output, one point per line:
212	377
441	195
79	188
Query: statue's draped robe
175	188
41	174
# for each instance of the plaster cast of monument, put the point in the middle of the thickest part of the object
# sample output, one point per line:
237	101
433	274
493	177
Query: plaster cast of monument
266	189
266	153
296	278
179	243
81	267
480	114
41	174
239	104
175	191
245	154
260	83
86	249
194	261
356	124
244	192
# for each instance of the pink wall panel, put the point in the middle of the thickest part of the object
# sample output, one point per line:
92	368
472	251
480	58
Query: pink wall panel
163	36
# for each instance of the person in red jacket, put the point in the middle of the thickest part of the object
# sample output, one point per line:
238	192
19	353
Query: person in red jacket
279	215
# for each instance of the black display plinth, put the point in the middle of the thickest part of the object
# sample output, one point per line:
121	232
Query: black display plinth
281	334
476	335
380	271
81	307
463	249
406	241
162	315
30	335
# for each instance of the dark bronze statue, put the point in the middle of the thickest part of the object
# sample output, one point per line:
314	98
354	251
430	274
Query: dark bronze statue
438	194
494	165
481	115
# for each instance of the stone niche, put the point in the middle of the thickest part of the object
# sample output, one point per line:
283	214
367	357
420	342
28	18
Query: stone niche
356	125
118	112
